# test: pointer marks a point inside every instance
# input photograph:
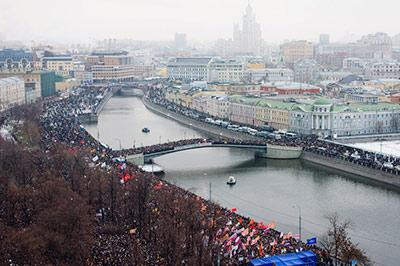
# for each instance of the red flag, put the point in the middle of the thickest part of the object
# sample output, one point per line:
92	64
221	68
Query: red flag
127	177
233	209
158	185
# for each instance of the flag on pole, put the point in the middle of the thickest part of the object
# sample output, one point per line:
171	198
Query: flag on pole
312	240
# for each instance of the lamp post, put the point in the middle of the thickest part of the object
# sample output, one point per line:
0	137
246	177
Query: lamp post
298	207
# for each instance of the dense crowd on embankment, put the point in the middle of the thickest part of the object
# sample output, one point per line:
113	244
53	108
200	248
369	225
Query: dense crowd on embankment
119	215
386	163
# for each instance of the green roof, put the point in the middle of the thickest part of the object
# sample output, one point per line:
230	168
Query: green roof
322	101
262	102
359	107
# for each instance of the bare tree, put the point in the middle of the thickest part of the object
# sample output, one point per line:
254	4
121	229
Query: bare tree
338	243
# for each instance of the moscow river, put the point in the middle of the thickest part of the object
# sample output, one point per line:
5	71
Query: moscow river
267	190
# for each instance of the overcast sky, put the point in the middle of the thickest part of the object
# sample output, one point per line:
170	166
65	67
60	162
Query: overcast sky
85	20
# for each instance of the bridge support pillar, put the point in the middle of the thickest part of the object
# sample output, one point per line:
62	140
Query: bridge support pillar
261	154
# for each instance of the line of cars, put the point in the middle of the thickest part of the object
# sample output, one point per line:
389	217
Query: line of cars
263	131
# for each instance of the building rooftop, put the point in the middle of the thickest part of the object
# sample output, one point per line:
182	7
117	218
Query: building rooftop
190	60
322	101
6	81
262	102
290	85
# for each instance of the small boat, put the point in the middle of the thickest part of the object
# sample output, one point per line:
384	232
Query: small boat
231	180
145	130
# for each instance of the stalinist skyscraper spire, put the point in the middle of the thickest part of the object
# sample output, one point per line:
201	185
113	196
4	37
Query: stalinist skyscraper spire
248	39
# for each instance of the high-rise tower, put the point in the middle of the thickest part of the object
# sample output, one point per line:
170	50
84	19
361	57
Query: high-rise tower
248	39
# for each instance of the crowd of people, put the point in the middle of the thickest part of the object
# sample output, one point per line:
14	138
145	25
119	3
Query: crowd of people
228	236
231	237
386	163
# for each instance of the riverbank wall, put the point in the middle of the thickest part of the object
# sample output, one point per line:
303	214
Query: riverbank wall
205	128
368	138
93	118
371	174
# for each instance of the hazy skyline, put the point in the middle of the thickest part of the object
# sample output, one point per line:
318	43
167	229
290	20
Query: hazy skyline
82	21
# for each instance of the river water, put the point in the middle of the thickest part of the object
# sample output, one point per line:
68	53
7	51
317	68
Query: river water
266	190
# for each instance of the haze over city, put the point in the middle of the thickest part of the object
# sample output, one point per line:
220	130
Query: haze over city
81	21
213	132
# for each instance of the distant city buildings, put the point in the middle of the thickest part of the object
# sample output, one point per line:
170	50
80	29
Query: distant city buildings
261	75
115	66
383	70
15	58
247	40
180	41
376	46
296	50
61	65
306	70
226	71
188	69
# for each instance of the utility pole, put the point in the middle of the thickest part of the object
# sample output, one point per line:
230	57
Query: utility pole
298	207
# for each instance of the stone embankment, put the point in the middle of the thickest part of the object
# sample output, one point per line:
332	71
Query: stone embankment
371	174
205	128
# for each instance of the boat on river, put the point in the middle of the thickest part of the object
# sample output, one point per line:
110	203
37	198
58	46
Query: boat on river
145	130
231	181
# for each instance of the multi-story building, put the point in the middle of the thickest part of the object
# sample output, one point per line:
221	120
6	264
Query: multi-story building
269	75
247	40
289	88
113	73
383	70
327	119
372	46
306	70
115	66
293	51
188	68
33	82
218	106
233	89
257	112
377	46
354	65
225	71
12	92
61	65
13	58
361	98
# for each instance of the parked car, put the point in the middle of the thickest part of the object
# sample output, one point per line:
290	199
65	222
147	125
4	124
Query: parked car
233	127
252	131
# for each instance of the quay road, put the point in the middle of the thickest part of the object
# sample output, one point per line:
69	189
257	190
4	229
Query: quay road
266	189
375	175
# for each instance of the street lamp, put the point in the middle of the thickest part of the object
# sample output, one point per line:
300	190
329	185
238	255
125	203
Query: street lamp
298	207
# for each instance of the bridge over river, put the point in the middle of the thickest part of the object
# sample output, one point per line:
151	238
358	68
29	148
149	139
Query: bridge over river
261	150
